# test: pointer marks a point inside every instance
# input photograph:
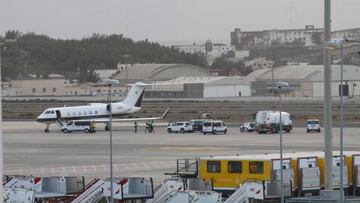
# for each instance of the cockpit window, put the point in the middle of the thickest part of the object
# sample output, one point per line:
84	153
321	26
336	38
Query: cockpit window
47	112
52	112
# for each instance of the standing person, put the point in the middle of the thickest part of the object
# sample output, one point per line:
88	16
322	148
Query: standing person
152	126
135	126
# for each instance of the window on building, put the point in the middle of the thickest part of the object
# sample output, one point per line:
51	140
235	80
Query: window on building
235	167
44	90
256	167
54	89
213	166
33	90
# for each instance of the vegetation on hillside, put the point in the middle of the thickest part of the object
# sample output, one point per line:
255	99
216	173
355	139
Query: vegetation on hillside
41	55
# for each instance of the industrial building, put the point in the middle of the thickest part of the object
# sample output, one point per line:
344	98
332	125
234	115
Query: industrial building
147	73
308	80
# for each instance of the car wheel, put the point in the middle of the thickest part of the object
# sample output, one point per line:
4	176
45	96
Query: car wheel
86	130
169	130
241	130
65	130
319	130
182	130
307	130
204	133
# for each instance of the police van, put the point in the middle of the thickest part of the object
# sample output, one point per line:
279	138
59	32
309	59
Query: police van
85	126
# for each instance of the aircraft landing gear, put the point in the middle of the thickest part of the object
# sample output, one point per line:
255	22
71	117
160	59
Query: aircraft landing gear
47	130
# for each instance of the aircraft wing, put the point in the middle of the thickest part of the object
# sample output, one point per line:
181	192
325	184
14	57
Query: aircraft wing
104	120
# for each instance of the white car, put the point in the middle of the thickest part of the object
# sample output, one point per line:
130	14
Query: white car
248	127
313	125
214	127
85	126
180	127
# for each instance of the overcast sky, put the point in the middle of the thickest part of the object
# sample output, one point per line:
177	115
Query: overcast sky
169	20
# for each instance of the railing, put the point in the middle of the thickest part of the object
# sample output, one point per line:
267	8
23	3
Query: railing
84	190
187	166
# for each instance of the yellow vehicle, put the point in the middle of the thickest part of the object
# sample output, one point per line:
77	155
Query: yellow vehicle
227	172
303	170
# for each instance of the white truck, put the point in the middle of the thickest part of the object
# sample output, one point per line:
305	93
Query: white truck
269	121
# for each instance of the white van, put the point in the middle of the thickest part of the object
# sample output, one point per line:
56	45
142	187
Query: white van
214	127
86	126
313	125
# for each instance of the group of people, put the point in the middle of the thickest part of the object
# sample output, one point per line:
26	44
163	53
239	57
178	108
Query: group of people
149	127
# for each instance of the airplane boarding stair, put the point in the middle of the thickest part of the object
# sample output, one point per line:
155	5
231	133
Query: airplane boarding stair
165	188
92	192
245	191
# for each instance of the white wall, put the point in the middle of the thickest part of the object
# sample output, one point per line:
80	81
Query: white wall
227	90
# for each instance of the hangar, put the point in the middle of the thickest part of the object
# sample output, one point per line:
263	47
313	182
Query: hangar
308	80
147	73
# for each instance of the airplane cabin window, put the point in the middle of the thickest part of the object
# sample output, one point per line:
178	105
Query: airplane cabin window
96	112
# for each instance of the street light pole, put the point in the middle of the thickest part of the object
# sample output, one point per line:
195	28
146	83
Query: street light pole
111	156
111	83
1	143
328	142
341	125
280	85
281	150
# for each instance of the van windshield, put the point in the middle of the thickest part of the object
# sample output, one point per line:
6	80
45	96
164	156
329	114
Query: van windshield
313	122
217	124
207	124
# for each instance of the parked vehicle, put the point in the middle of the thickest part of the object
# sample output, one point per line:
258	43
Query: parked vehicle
248	127
214	127
86	126
197	124
313	125
181	127
269	121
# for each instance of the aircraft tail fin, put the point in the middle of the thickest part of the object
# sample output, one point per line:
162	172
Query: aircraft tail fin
135	95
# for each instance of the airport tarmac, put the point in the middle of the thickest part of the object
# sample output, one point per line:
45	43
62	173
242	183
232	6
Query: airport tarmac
30	151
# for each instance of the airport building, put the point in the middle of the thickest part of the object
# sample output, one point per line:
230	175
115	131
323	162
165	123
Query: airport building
308	80
131	73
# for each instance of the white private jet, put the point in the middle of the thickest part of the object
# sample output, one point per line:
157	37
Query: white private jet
99	112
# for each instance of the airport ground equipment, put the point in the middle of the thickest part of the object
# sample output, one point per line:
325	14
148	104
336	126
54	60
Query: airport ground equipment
227	172
166	187
192	196
46	188
269	121
179	189
133	188
259	191
12	195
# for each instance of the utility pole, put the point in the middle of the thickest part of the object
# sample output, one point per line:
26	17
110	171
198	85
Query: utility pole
327	99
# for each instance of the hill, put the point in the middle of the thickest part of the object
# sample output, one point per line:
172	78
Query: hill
41	55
